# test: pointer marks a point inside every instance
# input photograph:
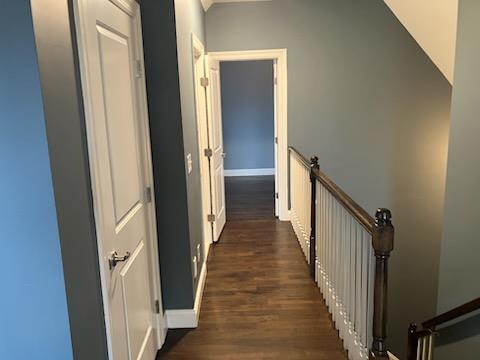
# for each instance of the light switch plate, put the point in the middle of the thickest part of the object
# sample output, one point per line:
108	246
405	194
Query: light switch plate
189	163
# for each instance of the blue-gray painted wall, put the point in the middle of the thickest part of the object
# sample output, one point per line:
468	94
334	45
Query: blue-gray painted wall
33	308
365	98
248	114
459	264
190	19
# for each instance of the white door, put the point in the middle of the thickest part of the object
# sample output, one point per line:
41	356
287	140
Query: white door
203	141
110	41
216	144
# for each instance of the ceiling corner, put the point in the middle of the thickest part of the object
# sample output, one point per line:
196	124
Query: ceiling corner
206	4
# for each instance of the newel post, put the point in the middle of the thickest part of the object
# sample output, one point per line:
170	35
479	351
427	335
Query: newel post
313	214
383	246
412	342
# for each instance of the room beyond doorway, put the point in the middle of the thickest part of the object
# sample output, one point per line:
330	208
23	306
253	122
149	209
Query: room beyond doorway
248	118
248	113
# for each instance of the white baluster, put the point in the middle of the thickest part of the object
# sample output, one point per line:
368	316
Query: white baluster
358	281
430	347
365	256
419	349
371	287
324	242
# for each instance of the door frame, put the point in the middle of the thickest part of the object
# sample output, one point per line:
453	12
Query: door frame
203	143
279	56
133	9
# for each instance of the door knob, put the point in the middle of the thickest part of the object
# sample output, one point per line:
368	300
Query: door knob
114	259
224	154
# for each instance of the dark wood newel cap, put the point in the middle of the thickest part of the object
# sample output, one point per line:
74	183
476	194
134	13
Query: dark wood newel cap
383	217
383	233
412	329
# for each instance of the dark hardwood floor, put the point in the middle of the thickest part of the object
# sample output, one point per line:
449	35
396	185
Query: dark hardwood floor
259	300
250	197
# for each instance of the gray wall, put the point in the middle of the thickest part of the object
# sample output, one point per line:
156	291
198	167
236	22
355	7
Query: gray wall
459	265
367	100
190	18
33	303
65	125
159	37
247	112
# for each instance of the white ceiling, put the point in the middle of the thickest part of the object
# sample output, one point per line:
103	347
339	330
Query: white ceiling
433	24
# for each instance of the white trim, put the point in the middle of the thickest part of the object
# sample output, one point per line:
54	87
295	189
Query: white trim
154	260
280	55
188	318
249	172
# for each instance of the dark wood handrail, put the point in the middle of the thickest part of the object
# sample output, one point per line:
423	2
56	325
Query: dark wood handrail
453	314
429	326
302	158
363	217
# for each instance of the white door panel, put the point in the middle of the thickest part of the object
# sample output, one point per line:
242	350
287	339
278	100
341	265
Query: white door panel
116	149
216	138
203	141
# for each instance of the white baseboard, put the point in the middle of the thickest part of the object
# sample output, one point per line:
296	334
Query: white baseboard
188	318
249	172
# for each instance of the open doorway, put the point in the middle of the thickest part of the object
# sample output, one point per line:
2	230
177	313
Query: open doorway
208	94
254	161
248	122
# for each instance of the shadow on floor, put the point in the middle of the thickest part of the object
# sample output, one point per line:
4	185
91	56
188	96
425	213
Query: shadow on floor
172	340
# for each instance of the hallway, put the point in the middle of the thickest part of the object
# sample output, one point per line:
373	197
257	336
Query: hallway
259	300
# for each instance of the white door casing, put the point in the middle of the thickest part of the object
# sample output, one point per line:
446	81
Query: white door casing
275	134
198	54
111	59
214	105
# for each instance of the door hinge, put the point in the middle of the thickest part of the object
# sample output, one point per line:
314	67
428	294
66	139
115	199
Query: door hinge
211	218
276	140
139	69
276	195
148	195
208	152
204	82
157	307
275	81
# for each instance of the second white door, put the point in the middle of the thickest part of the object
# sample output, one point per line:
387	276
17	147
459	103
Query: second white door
216	144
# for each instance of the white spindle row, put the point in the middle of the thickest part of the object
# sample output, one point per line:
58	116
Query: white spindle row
425	348
300	202
345	272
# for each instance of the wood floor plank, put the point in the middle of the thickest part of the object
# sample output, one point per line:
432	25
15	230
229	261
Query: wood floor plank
259	301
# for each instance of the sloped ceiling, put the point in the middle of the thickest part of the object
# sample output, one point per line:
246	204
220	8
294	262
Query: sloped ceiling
433	24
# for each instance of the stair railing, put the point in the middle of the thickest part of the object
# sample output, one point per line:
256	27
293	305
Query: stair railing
421	340
348	251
